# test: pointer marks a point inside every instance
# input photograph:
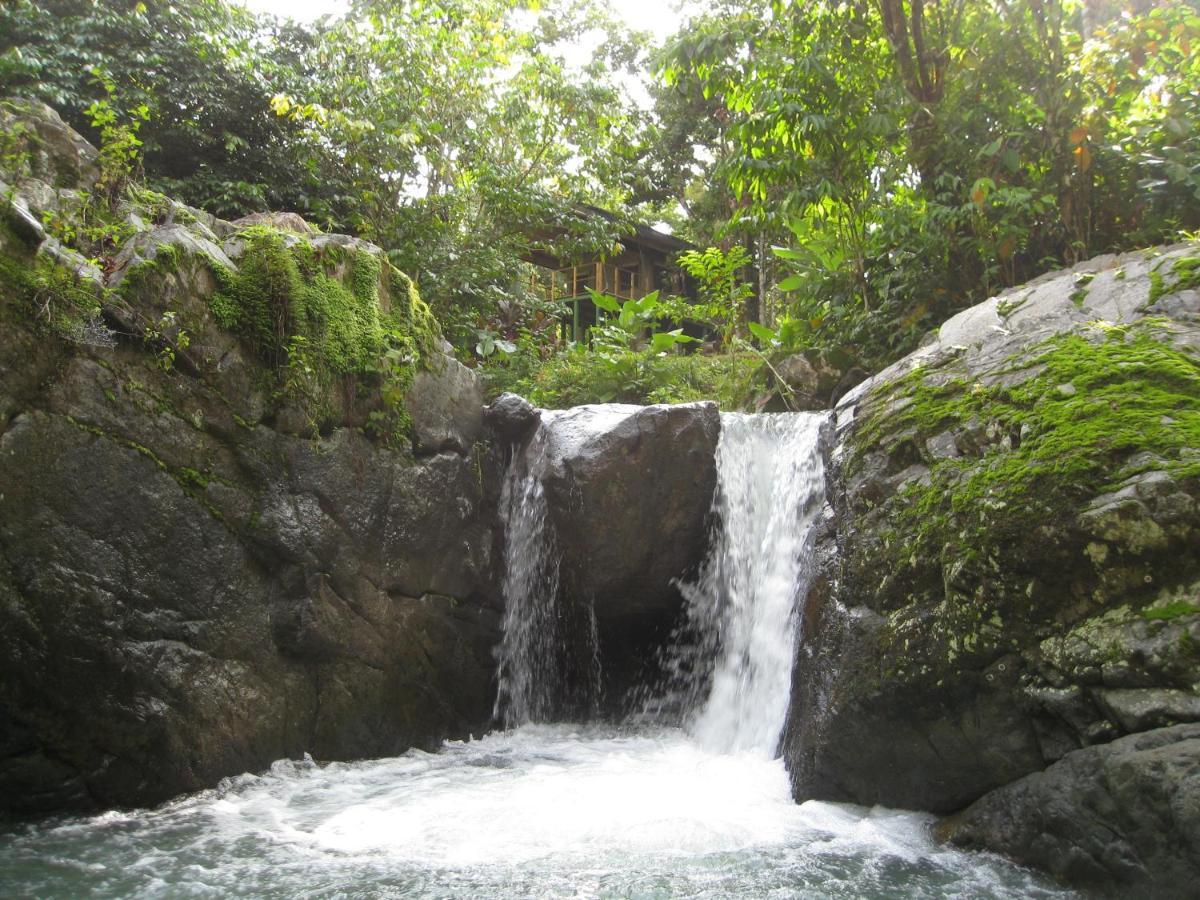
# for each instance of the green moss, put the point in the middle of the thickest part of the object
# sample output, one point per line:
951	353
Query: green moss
53	300
168	258
1187	271
1157	287
1082	280
196	481
316	316
1186	276
412	318
345	320
282	293
1007	307
261	300
1063	434
1170	611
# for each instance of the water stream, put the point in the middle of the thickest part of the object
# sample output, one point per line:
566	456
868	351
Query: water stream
651	810
744	606
527	670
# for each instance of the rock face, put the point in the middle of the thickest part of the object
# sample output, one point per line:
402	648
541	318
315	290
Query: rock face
629	490
1012	571
511	418
445	405
209	559
1122	818
814	379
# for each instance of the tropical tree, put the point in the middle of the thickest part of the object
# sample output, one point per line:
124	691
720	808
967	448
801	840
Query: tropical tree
205	70
469	137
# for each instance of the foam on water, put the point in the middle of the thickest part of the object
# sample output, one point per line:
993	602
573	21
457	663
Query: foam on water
538	811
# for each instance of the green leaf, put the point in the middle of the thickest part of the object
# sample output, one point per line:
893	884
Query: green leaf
665	340
763	333
792	283
604	301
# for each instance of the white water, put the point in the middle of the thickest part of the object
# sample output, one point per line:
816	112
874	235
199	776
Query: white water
770	492
536	630
526	657
556	810
540	811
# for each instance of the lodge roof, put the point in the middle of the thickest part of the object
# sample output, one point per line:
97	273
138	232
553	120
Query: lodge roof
642	236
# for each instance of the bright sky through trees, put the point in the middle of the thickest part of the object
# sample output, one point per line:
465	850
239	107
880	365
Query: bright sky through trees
656	16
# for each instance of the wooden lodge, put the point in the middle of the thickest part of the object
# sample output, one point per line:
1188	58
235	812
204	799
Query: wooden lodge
645	263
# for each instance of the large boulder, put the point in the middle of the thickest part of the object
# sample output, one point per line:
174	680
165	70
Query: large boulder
1121	818
1012	568
628	491
446	406
40	146
192	585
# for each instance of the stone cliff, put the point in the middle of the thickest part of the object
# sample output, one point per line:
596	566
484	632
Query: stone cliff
243	513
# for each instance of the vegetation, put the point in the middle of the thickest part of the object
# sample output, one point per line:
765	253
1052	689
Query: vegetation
910	159
851	172
54	299
580	376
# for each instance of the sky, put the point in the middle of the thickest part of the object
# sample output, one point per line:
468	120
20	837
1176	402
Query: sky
656	16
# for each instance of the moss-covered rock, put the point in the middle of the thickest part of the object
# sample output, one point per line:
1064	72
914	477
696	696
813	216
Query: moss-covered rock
217	545
1012	568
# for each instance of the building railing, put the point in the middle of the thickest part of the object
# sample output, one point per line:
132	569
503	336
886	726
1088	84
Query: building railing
571	285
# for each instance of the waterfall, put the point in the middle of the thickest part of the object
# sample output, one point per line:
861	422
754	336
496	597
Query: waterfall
729	666
743	607
549	655
527	655
561	810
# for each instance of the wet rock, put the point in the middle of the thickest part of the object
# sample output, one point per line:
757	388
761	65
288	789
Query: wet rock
1140	709
189	588
511	418
1127	648
1122	818
169	617
629	490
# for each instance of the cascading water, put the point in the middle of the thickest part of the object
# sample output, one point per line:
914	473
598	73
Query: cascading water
770	491
548	659
555	810
528	674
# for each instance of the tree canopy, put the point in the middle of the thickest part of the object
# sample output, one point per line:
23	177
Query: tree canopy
875	164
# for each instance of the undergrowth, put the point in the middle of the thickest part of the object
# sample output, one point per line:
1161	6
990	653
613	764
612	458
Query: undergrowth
578	377
36	289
